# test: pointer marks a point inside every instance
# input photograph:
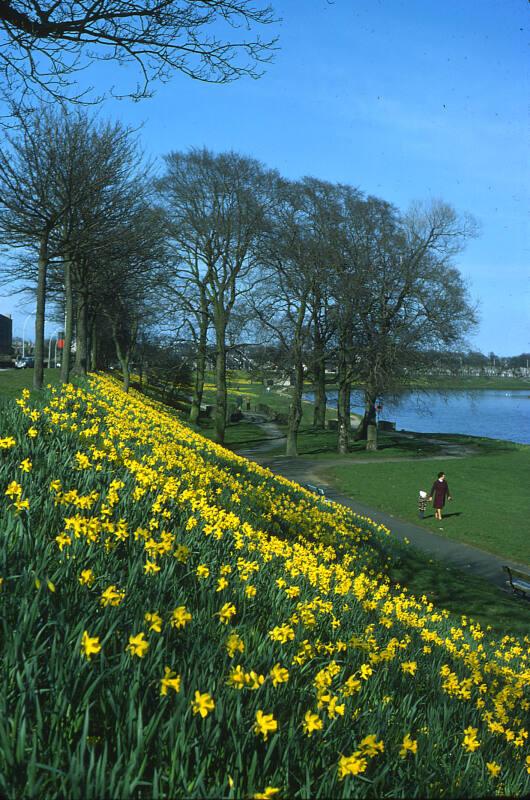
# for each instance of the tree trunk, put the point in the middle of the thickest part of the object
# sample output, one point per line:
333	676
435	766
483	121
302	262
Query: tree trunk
343	399
200	370
94	349
220	380
91	336
38	372
295	409
124	356
81	338
371	438
370	419
319	373
343	411
126	372
68	322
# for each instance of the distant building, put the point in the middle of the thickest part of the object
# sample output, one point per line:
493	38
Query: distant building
6	335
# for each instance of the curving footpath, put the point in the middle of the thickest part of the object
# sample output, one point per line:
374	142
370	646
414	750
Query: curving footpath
464	557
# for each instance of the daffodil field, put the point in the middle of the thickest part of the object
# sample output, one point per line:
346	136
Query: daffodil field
177	621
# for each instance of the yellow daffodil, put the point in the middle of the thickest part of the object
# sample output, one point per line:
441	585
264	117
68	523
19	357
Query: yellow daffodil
265	724
312	723
90	645
226	613
170	681
138	646
278	675
234	644
493	768
112	596
365	671
180	617
408	746
282	633
154	621
14	489
202	704
470	742
268	793
202	571
87	577
370	747
352	765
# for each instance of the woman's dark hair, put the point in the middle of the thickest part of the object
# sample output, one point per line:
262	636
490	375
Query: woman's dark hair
440	474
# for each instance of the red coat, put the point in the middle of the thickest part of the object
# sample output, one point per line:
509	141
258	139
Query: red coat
439	492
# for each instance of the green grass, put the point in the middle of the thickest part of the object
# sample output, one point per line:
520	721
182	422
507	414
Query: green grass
491	505
460	592
12	381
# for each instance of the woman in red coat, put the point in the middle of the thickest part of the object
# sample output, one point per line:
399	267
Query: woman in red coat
439	491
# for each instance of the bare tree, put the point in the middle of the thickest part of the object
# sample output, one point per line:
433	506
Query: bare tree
322	212
186	309
292	259
33	203
411	297
43	45
217	206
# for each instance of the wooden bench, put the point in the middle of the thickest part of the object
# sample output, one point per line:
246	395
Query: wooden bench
315	489
519	581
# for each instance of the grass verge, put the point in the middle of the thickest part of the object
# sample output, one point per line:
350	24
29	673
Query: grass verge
490	507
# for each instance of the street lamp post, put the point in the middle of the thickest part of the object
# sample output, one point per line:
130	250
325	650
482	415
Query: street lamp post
50	350
23	333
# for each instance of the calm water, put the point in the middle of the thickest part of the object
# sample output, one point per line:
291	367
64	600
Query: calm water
480	412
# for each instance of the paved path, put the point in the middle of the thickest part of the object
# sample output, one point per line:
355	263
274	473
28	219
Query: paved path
456	554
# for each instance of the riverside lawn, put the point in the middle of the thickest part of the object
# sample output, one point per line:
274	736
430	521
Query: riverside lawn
179	622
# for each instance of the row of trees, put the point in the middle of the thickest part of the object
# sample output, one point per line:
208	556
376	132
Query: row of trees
475	362
224	250
319	269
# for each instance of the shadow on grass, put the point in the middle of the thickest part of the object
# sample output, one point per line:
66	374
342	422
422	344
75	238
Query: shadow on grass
461	593
406	444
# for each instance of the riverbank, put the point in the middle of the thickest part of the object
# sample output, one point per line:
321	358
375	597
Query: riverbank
462	382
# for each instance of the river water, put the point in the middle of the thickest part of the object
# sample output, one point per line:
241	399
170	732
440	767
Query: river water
479	412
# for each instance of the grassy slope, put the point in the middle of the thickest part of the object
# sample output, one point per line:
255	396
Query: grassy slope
448	587
461	593
116	698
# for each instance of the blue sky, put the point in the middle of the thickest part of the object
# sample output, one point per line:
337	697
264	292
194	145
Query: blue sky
405	99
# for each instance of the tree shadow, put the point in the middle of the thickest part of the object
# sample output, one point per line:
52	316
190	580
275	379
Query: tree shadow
460	592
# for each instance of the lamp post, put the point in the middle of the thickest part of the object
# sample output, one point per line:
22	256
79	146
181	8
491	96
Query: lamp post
23	333
50	350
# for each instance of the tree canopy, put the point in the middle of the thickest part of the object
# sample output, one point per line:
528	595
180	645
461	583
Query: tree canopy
44	44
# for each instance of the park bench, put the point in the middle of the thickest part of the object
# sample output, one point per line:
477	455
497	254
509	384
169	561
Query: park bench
312	488
519	581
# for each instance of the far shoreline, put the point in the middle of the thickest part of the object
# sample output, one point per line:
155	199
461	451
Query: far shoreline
448	383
